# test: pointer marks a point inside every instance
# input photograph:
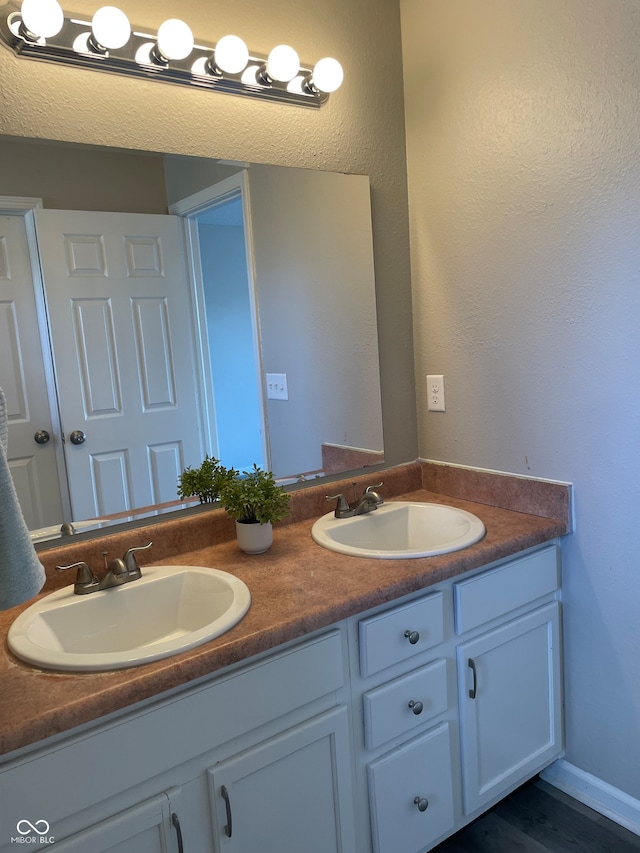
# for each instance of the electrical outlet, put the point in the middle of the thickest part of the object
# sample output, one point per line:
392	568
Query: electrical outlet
277	386
435	393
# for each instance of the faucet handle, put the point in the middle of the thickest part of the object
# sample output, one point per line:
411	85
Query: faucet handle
373	488
372	494
84	579
343	503
130	561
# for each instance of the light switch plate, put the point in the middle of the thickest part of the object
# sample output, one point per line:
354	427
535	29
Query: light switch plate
277	386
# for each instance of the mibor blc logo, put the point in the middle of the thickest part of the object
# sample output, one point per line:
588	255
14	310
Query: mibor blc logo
32	833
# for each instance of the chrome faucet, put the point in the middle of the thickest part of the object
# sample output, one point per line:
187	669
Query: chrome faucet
368	501
119	571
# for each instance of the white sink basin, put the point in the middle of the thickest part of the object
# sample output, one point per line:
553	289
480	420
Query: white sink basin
169	610
400	530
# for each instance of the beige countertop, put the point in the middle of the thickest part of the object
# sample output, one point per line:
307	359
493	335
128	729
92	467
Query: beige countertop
296	587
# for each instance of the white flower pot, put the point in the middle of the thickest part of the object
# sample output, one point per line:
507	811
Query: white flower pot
254	538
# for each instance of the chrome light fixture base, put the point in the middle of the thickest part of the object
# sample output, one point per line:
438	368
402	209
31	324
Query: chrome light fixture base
139	57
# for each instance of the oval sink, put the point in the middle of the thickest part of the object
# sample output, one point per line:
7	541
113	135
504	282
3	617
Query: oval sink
400	530
168	610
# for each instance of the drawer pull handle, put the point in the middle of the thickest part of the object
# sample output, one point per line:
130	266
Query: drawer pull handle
472	664
227	804
422	803
412	636
416	707
176	822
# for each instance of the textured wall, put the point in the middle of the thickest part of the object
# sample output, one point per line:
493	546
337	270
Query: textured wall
360	130
67	177
523	123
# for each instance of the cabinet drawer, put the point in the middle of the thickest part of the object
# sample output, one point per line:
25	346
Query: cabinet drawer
498	591
404	703
400	633
411	794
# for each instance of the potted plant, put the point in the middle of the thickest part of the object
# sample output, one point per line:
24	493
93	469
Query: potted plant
256	502
206	481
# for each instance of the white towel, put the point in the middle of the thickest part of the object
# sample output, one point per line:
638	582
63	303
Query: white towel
21	573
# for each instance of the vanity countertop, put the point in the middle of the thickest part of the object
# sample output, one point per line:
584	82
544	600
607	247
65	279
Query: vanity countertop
297	587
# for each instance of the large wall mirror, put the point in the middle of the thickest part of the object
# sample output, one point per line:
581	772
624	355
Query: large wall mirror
154	309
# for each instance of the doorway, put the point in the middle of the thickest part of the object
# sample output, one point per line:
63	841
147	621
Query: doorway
219	244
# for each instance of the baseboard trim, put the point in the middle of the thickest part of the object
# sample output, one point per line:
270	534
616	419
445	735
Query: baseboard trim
593	792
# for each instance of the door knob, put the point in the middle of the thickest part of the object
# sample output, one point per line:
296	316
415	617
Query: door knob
41	436
77	437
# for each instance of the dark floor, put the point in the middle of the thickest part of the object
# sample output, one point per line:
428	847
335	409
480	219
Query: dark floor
539	818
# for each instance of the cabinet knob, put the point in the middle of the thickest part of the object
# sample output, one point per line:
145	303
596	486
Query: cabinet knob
422	803
412	636
416	707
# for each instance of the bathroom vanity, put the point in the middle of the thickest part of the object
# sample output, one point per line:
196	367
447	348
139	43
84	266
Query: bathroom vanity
388	703
446	726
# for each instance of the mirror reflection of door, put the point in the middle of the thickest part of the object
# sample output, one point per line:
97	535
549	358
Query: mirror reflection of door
119	312
118	307
33	434
235	372
221	261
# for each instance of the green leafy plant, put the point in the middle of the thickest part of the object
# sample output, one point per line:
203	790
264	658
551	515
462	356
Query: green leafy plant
206	481
254	497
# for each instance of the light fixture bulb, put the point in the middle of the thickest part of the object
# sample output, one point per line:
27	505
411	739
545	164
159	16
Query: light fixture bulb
110	28
42	18
175	39
327	75
231	54
283	63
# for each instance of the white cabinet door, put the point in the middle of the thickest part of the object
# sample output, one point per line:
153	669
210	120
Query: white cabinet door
290	794
510	704
150	827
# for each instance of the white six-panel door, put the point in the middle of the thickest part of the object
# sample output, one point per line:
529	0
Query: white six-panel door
23	379
120	318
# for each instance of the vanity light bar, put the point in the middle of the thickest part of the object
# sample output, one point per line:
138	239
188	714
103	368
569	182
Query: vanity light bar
38	29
